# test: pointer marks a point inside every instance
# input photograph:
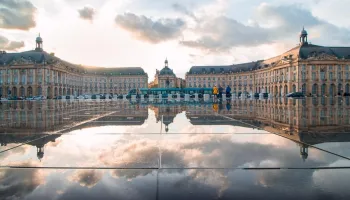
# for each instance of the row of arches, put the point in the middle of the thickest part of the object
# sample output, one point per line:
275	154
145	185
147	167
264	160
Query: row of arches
316	89
37	91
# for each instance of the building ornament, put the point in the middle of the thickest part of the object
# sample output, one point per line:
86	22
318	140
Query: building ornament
321	56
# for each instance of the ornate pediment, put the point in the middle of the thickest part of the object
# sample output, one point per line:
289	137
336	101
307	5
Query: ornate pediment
21	61
321	56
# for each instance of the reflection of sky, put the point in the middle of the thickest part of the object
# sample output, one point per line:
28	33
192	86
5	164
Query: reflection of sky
184	146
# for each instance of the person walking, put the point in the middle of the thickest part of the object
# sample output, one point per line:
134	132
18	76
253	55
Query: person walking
228	91
215	92
220	91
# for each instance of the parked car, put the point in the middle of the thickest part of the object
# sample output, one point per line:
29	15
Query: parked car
58	97
30	98
13	98
39	98
68	97
295	95
120	96
80	97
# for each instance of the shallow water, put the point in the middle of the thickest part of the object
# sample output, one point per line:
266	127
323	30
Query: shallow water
276	148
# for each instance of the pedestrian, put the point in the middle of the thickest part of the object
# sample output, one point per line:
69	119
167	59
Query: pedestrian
220	91
228	91
215	92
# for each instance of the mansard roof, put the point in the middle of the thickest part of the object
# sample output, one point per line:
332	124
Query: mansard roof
219	69
42	57
301	52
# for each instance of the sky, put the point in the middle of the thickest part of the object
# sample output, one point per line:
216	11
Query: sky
143	33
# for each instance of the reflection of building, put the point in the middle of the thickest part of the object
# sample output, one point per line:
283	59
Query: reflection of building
37	140
38	123
308	68
51	116
166	78
36	72
167	113
309	121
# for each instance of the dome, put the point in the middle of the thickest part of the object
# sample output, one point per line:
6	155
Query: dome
303	32
39	39
166	71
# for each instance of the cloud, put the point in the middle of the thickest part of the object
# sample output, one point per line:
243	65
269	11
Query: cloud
16	14
87	13
153	31
222	33
269	25
182	9
6	44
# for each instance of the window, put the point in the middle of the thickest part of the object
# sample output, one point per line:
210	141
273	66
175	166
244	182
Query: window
339	76
303	68
330	75
313	76
347	67
313	67
323	75
330	67
339	67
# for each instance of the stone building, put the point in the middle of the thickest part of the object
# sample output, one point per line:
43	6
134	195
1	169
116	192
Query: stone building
308	68
166	78
37	72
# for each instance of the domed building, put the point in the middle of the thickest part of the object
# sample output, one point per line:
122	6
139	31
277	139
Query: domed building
166	78
38	73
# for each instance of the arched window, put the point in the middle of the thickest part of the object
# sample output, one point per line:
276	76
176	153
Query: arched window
323	89
303	89
314	89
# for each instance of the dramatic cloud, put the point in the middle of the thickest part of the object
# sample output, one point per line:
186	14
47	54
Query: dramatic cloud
87	13
17	14
8	45
150	30
270	24
222	33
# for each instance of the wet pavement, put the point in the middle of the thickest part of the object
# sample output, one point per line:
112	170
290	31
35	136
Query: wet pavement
244	149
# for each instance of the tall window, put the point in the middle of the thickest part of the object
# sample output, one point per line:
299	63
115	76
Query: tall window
339	76
322	75
313	76
330	75
23	78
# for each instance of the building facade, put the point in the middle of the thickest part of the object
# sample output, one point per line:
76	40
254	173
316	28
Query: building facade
36	72
311	69
166	78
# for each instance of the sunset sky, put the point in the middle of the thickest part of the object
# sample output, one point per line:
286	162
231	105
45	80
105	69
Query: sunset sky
127	33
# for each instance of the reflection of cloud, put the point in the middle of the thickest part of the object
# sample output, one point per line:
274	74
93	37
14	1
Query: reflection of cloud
86	178
199	151
17	183
325	179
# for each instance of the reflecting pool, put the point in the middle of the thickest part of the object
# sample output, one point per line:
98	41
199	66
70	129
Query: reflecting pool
243	149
